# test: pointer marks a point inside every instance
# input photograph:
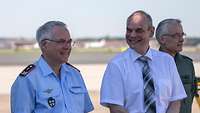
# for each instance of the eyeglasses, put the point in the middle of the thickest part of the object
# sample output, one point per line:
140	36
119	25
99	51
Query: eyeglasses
62	41
176	35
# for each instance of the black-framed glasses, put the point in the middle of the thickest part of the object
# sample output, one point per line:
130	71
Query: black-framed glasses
61	41
175	35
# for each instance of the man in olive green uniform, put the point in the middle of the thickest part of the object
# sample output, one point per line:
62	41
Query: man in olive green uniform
169	34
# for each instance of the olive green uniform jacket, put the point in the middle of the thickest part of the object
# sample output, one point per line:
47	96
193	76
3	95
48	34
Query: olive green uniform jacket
187	74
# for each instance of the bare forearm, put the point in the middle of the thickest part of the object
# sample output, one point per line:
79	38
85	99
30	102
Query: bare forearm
117	109
174	107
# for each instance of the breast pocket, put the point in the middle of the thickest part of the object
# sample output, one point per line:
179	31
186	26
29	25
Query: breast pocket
77	94
47	98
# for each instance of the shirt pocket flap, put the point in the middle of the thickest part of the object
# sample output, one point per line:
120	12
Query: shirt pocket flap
77	90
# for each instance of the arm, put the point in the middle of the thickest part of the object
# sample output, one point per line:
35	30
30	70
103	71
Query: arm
117	109
22	96
112	89
174	107
194	82
88	106
178	91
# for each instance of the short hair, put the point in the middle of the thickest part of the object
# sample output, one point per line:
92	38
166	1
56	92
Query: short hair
148	17
162	27
45	31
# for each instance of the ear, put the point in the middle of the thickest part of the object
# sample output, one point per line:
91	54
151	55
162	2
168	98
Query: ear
43	45
162	40
152	29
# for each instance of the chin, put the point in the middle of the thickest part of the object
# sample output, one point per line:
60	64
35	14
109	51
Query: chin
179	50
64	60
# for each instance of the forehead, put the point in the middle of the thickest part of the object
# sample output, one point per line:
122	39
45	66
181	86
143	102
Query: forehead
137	20
60	32
175	28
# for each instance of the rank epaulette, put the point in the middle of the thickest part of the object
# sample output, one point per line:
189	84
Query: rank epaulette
186	57
27	70
73	67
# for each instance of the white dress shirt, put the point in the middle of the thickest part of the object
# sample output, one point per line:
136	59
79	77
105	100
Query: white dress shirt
123	82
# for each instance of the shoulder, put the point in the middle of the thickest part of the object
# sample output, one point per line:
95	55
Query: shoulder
120	57
73	67
27	70
76	78
184	60
23	79
187	58
161	55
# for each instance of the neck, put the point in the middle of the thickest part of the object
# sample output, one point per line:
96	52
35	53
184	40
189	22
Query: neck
54	66
142	51
172	53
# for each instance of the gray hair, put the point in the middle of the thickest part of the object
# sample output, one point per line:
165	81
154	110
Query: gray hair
45	31
148	17
162	27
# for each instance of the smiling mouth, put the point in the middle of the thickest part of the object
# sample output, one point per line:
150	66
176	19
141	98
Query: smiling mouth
64	53
135	41
180	44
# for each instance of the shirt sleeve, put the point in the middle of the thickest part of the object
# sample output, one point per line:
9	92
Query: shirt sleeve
22	96
178	91
194	87
88	106
112	88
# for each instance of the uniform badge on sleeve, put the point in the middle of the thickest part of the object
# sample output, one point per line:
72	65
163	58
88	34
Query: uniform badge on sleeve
51	102
27	70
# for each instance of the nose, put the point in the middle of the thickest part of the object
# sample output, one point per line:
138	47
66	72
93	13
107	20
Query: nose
181	39
67	45
133	33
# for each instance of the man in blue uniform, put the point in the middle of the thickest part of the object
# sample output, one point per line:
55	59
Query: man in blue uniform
51	85
169	34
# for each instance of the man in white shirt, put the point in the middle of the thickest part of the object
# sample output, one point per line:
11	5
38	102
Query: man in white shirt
124	87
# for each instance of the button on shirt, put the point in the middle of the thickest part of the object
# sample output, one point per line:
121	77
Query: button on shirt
123	82
41	91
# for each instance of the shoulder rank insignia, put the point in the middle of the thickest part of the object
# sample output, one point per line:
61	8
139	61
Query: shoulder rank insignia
73	67
28	69
186	57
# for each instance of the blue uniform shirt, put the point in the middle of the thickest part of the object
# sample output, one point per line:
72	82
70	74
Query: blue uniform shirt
41	91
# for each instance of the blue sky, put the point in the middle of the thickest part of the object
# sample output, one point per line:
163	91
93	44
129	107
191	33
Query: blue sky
93	18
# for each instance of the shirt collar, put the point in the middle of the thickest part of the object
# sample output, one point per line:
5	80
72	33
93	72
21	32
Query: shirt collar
135	55
65	67
177	57
45	68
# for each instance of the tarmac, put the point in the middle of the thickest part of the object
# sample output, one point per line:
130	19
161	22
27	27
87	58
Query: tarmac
92	74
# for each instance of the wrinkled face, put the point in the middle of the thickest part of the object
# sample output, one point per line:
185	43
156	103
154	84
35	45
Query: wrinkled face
58	48
138	33
173	40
